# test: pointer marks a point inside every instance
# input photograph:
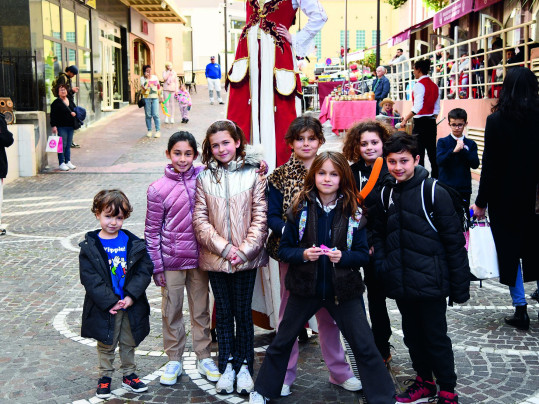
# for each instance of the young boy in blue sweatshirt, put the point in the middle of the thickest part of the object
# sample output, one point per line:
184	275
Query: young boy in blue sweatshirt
456	155
421	260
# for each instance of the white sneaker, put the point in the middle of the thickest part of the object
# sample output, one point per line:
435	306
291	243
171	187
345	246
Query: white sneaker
211	102
225	385
221	102
256	398
149	133
285	390
244	381
71	165
63	167
157	134
352	384
166	119
208	368
171	373
171	120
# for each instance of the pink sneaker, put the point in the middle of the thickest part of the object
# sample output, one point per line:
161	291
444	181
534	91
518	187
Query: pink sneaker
445	397
418	392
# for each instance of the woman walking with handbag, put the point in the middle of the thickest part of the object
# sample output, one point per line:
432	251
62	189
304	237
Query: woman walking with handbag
63	123
512	161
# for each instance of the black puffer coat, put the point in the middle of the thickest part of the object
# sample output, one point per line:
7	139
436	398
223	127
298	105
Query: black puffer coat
97	322
414	261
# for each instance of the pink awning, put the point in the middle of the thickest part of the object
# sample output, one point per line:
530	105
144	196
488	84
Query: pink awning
400	37
481	4
452	12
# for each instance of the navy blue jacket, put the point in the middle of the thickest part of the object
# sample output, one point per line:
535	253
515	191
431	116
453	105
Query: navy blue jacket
330	281
454	168
275	210
414	261
381	90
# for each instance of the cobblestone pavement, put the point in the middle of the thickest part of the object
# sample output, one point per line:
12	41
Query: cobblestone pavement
44	360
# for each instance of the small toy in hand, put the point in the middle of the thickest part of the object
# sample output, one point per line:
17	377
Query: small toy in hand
325	249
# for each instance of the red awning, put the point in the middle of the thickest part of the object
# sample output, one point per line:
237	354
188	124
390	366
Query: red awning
421	25
481	4
452	12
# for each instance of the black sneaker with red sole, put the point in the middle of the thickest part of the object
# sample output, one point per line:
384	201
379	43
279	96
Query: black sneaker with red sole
103	387
133	383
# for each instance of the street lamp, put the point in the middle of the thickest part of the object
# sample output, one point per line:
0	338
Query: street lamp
377	33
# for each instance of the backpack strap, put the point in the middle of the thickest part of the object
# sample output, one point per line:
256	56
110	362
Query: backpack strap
427	200
386	198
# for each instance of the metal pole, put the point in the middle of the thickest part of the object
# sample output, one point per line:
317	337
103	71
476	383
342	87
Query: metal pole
377	33
346	35
226	44
192	58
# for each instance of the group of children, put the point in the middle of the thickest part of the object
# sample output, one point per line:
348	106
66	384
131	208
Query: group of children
208	225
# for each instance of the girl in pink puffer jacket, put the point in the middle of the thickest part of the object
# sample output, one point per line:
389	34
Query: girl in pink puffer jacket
173	248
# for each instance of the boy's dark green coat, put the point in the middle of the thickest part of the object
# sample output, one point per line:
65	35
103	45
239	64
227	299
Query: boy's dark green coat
97	322
413	260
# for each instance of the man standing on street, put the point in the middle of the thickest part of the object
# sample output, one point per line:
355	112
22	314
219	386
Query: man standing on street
6	140
213	74
425	110
380	86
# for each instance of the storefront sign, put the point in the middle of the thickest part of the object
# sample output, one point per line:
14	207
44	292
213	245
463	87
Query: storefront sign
403	36
481	4
452	12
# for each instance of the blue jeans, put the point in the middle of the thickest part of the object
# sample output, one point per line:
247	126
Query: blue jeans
517	291
151	109
66	133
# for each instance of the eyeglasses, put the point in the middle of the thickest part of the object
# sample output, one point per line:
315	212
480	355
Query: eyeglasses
457	125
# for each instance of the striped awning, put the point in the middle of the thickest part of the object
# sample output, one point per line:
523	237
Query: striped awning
157	11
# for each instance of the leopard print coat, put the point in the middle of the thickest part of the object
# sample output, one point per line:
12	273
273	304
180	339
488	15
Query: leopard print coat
287	179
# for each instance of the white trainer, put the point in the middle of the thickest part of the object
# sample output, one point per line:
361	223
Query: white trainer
166	119
285	390
149	133
63	167
352	384
157	134
208	368
225	384
171	120
71	165
171	373
256	398
244	381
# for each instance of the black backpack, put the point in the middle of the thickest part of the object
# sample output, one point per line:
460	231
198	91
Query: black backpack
427	195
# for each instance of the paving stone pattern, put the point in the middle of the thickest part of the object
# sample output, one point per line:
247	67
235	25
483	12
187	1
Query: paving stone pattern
44	360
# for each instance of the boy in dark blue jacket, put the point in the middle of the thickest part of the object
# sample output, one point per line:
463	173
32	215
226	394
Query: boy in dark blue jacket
421	261
455	155
115	270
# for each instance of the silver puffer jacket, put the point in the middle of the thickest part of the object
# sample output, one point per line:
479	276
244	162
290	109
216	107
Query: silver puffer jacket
231	211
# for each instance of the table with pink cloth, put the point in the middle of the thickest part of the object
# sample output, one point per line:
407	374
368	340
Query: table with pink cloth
343	114
326	87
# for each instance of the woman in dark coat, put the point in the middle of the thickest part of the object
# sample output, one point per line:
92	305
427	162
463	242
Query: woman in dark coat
63	123
508	186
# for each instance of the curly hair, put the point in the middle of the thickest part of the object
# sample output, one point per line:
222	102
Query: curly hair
352	141
112	200
347	184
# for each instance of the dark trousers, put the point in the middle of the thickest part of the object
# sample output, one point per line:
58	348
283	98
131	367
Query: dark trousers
466	202
381	326
352	322
233	296
425	334
425	128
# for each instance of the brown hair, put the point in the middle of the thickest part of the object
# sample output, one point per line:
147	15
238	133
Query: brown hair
113	200
235	133
352	141
302	124
347	184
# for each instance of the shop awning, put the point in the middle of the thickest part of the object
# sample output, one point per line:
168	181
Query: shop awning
157	11
452	12
481	4
405	35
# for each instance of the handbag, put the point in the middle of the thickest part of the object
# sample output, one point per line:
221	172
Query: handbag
54	144
482	254
141	102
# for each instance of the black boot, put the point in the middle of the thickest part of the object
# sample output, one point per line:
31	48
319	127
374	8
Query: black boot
520	319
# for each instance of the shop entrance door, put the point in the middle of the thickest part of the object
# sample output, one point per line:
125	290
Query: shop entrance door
111	65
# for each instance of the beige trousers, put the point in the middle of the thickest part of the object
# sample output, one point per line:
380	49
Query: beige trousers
174	337
123	338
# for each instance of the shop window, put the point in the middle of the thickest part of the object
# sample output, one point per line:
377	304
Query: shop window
68	20
360	39
83	32
141	56
347	38
51	19
53	66
374	37
318	45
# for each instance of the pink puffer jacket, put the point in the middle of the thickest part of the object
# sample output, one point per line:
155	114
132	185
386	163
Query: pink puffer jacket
169	233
